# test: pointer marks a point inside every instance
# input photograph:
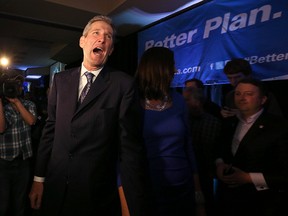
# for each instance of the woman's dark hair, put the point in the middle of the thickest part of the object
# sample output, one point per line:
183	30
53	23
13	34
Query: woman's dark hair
155	72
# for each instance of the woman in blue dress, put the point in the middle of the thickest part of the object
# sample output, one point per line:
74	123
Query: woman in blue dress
166	134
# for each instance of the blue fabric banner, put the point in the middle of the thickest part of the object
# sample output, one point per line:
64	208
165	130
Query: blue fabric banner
204	38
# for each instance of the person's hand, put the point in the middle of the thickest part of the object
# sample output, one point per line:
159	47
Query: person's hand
221	168
236	178
228	112
124	205
13	100
36	195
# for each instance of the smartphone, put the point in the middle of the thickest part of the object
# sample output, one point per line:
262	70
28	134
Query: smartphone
229	171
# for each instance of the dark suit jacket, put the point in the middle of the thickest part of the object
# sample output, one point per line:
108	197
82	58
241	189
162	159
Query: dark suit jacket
82	145
263	149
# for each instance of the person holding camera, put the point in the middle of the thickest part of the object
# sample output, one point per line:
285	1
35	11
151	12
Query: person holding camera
16	118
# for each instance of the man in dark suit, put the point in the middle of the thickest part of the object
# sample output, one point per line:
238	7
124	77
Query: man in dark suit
253	165
85	144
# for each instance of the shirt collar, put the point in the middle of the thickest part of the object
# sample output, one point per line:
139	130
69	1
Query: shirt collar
250	119
95	72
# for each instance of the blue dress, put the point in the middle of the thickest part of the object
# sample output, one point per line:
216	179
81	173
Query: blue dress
171	158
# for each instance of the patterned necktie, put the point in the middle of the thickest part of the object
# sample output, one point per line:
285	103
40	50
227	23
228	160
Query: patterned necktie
86	88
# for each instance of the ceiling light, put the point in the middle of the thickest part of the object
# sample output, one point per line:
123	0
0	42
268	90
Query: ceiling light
4	61
33	77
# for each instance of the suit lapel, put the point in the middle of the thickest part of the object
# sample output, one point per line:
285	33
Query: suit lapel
70	87
74	86
255	129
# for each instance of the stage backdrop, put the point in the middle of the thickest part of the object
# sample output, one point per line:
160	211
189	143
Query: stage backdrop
205	37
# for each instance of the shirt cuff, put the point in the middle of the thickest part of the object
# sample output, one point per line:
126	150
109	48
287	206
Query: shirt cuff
39	179
259	181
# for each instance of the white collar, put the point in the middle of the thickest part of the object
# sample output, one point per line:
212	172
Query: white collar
95	72
251	118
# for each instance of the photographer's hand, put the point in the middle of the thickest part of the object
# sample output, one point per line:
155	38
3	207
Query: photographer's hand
26	115
13	100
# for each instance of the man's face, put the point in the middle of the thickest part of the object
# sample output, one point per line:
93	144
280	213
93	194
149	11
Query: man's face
248	99
235	78
189	86
194	105
97	45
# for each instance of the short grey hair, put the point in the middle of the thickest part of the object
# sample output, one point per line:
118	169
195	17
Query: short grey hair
97	18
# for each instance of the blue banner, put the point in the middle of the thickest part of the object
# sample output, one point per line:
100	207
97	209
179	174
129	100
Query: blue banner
205	38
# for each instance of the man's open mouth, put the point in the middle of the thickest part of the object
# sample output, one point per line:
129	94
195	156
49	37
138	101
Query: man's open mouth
98	50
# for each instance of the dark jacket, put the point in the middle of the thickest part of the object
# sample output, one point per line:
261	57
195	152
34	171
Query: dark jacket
82	145
263	149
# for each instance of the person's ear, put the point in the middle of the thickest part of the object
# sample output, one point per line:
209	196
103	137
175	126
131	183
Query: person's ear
111	50
264	99
82	41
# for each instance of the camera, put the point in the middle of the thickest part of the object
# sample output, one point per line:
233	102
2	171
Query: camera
9	88
10	83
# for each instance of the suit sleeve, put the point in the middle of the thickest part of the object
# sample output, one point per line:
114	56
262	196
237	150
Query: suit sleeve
45	145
